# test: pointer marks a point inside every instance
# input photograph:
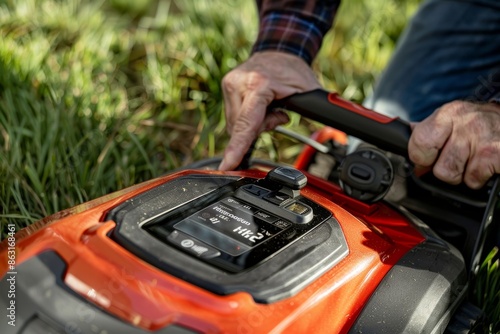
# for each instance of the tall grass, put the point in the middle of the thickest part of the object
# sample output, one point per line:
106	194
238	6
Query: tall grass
98	95
95	98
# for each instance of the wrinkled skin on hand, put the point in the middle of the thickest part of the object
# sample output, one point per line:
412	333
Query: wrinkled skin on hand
250	88
460	141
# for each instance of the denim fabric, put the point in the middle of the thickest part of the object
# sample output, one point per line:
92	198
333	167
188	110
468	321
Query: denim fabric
450	50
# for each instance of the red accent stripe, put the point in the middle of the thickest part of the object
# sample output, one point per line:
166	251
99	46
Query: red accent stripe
334	98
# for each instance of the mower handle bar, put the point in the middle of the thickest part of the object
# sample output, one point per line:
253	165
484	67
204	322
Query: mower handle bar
389	134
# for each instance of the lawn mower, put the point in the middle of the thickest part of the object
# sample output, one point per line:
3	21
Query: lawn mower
336	243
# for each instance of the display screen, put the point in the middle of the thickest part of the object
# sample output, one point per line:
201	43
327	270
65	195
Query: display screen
232	226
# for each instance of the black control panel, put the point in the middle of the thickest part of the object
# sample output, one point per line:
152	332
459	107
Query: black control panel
231	226
227	233
251	223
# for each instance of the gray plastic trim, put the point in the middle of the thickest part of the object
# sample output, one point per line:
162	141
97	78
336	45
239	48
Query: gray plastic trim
419	294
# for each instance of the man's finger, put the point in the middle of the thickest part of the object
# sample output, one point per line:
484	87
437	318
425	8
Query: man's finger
452	161
428	138
247	128
483	165
232	154
273	119
232	101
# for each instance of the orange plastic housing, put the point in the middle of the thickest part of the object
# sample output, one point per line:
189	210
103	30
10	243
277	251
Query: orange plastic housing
138	293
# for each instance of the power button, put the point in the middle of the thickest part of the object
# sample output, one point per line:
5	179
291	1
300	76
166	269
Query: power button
191	245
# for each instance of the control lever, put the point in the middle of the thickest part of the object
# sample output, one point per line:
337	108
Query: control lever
303	139
290	178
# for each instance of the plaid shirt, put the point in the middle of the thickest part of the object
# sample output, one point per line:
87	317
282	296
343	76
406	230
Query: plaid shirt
293	26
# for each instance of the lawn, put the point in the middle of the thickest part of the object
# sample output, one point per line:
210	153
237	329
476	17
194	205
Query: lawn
99	95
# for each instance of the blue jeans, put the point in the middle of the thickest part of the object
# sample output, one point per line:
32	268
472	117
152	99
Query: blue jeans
449	51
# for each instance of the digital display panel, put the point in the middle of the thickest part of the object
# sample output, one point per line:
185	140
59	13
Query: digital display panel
231	226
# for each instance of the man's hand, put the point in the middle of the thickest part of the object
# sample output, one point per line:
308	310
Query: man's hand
461	140
248	90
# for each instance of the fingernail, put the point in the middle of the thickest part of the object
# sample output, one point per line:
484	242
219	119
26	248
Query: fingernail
473	183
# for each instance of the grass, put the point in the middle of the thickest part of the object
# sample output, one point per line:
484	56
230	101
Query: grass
91	95
487	289
99	95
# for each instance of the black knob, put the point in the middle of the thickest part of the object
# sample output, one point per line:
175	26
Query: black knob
288	177
366	174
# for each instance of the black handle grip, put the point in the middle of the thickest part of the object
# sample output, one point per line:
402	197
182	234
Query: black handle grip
390	134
